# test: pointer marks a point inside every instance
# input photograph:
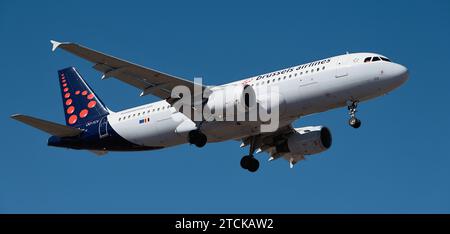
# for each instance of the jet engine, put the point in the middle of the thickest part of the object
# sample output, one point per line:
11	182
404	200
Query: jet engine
306	141
236	97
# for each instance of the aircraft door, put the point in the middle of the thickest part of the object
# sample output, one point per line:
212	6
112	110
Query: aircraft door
342	67
103	127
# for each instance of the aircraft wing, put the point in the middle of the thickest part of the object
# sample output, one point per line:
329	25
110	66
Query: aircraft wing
149	81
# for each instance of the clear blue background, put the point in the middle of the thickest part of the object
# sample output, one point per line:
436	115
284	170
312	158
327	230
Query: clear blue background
397	162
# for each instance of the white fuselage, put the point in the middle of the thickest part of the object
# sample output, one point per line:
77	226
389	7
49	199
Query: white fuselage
304	89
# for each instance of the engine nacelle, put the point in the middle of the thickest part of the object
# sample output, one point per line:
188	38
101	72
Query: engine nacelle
307	141
237	97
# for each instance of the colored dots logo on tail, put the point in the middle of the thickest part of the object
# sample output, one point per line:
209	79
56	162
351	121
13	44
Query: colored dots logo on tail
83	113
73	119
80	103
70	110
91	104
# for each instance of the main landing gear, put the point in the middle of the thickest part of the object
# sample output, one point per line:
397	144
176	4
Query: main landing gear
249	162
353	121
197	138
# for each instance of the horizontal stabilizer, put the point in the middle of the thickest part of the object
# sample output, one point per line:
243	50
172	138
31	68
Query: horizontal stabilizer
54	129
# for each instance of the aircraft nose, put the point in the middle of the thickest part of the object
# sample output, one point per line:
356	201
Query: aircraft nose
403	73
399	73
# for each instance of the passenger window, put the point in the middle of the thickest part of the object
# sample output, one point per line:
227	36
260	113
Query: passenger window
367	59
375	59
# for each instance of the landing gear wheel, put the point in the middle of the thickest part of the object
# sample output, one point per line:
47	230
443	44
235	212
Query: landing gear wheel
354	122
249	162
201	141
197	138
245	162
253	165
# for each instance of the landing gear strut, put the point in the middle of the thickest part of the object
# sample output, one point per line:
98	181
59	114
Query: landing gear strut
249	162
353	121
197	138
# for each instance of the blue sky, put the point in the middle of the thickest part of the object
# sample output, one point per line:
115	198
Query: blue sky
397	162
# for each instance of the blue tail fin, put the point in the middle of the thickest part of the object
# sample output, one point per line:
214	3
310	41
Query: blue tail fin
80	103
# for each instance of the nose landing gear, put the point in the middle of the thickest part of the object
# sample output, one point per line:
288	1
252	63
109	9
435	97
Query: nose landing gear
353	121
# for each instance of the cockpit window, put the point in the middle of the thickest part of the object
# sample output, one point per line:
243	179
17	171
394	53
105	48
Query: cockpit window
375	59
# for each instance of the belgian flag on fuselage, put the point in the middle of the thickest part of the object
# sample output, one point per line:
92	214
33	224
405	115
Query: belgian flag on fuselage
79	101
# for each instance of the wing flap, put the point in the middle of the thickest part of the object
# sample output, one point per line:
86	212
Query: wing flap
54	129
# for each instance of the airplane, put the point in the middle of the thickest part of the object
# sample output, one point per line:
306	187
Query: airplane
340	81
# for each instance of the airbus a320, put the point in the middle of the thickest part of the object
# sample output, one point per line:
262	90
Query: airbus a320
341	81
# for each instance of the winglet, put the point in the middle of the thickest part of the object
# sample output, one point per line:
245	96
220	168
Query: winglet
55	44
